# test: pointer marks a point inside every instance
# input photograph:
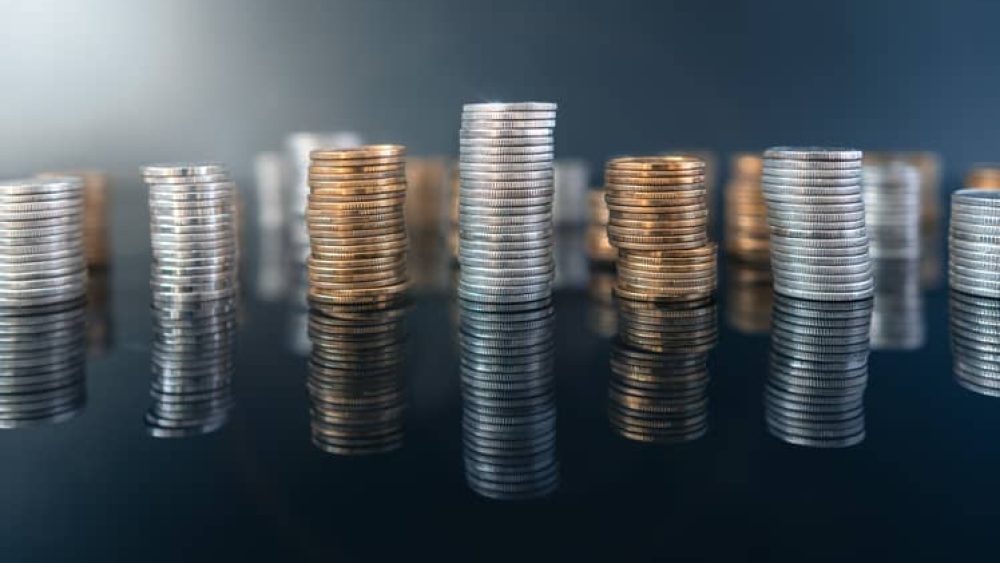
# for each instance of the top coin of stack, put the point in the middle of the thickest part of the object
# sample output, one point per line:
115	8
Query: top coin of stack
983	177
505	203
658	221
974	242
747	235
193	230
819	243
356	224
598	247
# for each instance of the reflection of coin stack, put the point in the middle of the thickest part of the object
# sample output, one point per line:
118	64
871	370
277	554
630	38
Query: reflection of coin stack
100	326
658	222
898	318
974	242
356	224
356	388
508	402
602	315
193	363
983	177
749	296
975	323
598	247
747	236
819	370
42	372
659	364
453	204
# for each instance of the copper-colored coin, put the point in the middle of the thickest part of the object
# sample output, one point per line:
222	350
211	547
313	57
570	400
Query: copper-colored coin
364	152
669	162
374	206
315	177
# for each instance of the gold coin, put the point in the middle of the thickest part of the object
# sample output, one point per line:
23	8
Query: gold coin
667	162
359	205
368	151
315	177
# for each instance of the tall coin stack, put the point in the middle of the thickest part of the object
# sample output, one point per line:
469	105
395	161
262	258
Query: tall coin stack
891	193
816	213
658	222
818	372
357	229
747	235
505	203
975	322
659	364
42	255
974	242
508	401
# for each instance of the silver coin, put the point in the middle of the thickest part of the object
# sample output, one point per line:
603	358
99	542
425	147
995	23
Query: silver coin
184	169
812	154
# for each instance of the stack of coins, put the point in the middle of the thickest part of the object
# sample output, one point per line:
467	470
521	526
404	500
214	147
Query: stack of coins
658	222
975	323
508	401
974	242
357	229
659	364
983	177
746	232
749	296
818	372
898	318
599	249
42	376
426	205
192	211
193	364
505	203
42	258
819	243
356	388
891	193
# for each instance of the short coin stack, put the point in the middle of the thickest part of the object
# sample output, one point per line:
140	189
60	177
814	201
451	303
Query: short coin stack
892	210
42	375
983	177
192	210
505	203
975	323
599	249
42	257
747	235
659	224
508	401
815	210
357	229
356	388
818	372
659	364
974	242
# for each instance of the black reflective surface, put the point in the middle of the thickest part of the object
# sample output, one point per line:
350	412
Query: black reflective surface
645	457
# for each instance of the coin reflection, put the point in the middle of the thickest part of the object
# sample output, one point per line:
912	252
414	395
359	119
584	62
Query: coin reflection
975	348
356	388
193	363
898	317
659	365
42	364
602	315
749	296
508	400
818	372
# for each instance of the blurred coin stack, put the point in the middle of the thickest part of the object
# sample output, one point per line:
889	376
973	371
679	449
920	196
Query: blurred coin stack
891	194
749	296
193	365
508	401
659	364
975	324
599	249
426	209
818	372
658	221
747	235
356	388
816	213
505	203
983	177
42	372
974	242
42	253
602	315
357	229
569	204
898	318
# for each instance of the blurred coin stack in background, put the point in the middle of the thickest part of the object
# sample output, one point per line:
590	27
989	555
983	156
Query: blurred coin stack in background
659	364
356	387
508	400
749	296
599	249
42	375
426	210
602	315
818	372
42	252
357	229
272	268
505	203
819	243
569	203
975	350
983	176
658	221
746	232
974	242
898	318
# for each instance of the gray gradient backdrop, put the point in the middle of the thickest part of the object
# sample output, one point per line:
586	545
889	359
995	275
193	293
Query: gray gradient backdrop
114	83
